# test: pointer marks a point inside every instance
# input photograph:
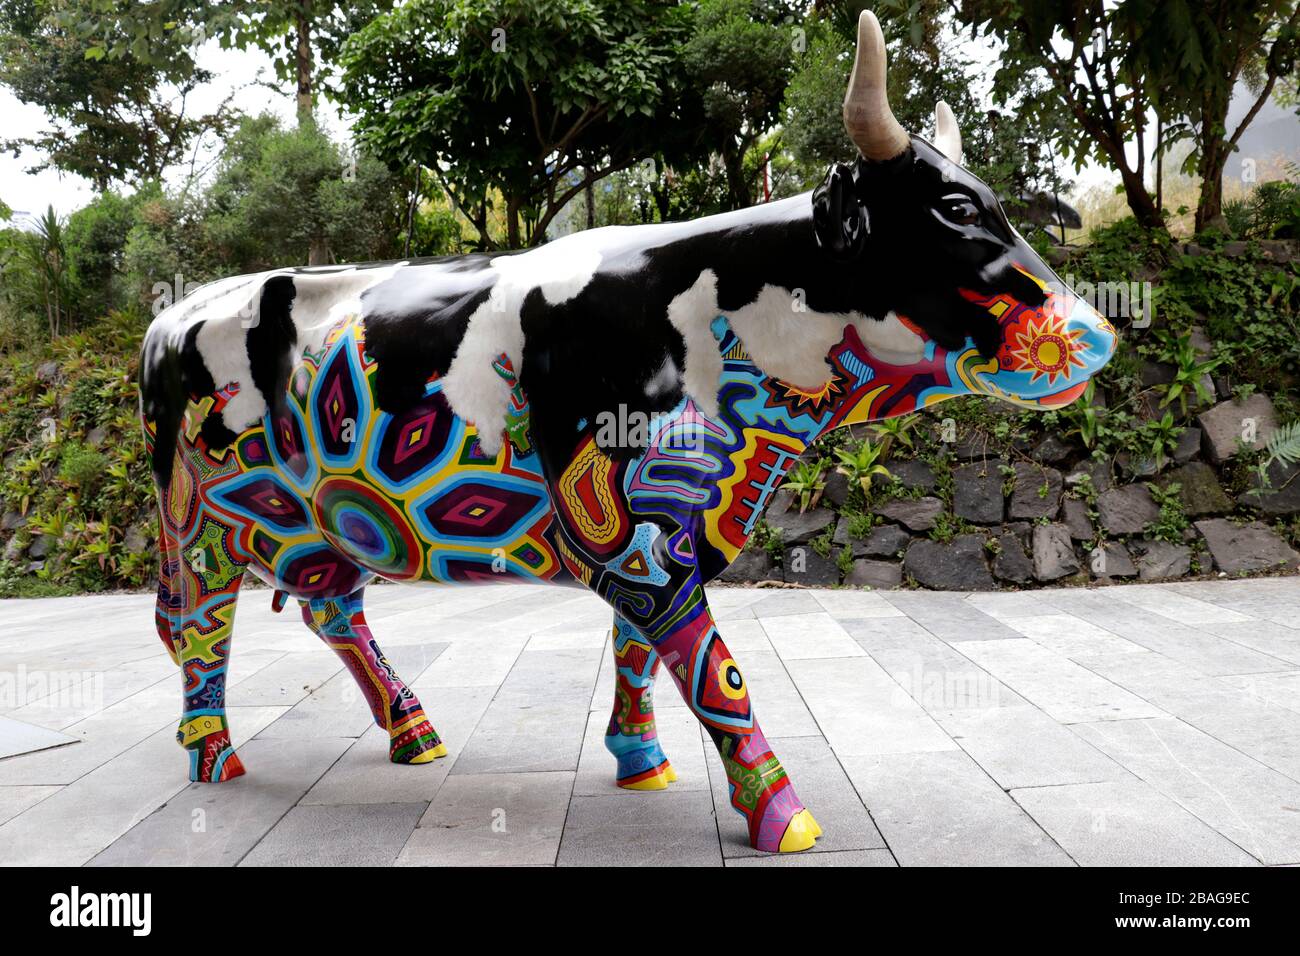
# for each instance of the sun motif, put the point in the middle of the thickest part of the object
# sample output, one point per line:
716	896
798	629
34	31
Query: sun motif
1047	347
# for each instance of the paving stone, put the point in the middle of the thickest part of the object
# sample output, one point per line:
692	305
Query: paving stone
1225	426
914	514
856	604
862	711
666	828
854	858
680	738
1249	547
1054	556
1037	492
1072	636
874	574
16	800
17	737
365	835
1127	823
1126	510
1063	689
498	819
1160	560
941	809
958	565
1245	801
977	492
1020	746
803	636
813	769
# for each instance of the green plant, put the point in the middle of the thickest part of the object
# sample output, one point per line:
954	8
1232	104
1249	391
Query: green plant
892	431
860	464
1190	370
806	481
1172	520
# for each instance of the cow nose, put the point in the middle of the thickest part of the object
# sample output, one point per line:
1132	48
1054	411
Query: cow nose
1049	352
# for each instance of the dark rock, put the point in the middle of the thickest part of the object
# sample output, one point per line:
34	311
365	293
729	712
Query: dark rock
970	449
874	574
1077	520
800	528
884	541
1054	556
1097	471
1135	466
1160	560
977	492
1235	248
35	567
1156	373
12	521
1021	529
1011	563
1027	499
135	540
42	546
1281	497
956	566
914	475
1250	547
1189	443
1052	450
47	371
13	550
749	566
95	437
1225	426
1199	491
837	489
1126	510
803	565
914	514
1111	560
1200	343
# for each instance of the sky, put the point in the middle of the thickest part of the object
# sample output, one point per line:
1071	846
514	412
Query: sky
32	193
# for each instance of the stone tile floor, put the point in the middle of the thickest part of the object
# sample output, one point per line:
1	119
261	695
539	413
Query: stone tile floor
1146	724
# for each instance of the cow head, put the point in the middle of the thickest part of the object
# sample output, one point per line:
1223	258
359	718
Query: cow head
947	263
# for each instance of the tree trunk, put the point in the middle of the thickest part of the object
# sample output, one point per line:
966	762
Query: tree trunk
590	192
1209	207
733	161
318	253
512	222
304	69
1140	201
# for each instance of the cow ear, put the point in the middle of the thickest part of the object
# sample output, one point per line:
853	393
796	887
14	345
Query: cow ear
840	221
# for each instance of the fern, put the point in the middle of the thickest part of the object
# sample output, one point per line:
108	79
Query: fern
1284	444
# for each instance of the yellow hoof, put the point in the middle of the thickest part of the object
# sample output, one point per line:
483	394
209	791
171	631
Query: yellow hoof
659	780
801	833
430	755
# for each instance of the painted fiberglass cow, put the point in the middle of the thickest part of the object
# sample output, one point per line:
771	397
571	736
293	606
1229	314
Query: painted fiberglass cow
443	421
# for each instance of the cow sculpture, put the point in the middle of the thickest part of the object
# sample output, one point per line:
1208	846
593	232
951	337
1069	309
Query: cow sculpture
611	410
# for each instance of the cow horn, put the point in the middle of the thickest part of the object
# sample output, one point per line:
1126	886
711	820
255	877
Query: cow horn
867	116
947	136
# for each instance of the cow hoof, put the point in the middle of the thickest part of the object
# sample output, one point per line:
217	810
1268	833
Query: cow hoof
418	743
215	768
801	833
656	778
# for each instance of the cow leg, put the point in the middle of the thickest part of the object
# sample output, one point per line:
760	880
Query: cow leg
202	648
341	623
631	735
710	681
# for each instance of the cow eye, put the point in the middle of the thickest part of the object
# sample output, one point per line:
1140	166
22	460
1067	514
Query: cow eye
958	208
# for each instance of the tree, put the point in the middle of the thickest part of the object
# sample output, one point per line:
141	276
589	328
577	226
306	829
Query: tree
119	122
739	59
1198	52
283	197
1093	54
528	100
297	34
